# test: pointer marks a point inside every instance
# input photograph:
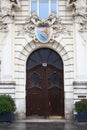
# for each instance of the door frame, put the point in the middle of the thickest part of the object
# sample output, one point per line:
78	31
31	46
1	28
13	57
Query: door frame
62	81
20	89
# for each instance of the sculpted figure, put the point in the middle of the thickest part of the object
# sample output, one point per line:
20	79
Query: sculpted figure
55	23
79	8
8	9
35	19
53	19
31	22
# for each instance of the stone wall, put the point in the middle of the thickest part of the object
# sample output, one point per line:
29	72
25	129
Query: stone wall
14	54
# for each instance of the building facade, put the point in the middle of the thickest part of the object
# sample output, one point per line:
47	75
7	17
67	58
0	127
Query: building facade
43	55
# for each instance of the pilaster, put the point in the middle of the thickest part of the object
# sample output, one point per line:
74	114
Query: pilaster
7	56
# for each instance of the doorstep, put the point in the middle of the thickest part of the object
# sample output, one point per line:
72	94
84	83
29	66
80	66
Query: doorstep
41	120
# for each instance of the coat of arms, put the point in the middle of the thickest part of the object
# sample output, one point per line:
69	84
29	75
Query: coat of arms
43	34
43	30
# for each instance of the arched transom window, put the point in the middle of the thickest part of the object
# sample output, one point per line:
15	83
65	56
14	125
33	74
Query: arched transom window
43	8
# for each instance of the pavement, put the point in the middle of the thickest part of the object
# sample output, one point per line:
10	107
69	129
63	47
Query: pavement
43	125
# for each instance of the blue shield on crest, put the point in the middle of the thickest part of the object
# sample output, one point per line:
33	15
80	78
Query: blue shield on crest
43	34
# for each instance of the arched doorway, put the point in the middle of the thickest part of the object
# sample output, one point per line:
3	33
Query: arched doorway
44	84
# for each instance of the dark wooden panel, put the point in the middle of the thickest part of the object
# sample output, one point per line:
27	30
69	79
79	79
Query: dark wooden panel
45	94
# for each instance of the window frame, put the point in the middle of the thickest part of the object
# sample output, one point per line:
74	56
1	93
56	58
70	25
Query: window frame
49	2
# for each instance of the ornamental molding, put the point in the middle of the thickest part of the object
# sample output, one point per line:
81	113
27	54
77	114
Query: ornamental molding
33	22
79	8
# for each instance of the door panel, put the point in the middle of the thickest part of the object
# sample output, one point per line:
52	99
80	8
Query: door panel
55	91
33	91
35	103
44	91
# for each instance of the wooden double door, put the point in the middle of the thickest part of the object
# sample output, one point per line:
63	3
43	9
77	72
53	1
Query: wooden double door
44	91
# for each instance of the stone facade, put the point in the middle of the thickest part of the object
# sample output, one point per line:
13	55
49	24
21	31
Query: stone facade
69	40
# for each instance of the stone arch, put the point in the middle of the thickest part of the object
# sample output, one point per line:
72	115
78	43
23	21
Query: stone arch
68	74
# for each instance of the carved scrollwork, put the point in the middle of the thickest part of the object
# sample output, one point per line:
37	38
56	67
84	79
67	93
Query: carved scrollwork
30	24
57	25
3	27
83	27
52	21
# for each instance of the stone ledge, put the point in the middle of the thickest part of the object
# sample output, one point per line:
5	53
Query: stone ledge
7	83
80	83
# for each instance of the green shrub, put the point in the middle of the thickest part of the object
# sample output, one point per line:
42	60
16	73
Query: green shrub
81	106
7	104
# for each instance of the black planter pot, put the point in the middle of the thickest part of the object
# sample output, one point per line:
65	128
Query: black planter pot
81	117
7	117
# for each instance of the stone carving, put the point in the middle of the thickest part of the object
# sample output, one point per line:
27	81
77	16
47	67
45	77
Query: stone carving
33	21
57	25
80	11
8	10
3	27
30	24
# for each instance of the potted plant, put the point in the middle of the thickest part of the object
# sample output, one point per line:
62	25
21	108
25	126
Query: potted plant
7	108
81	109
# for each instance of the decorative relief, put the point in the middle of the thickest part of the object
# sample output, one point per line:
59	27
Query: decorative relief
79	8
8	12
83	27
43	30
34	79
29	26
57	25
3	27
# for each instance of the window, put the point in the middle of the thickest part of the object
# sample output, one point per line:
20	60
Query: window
43	8
45	55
